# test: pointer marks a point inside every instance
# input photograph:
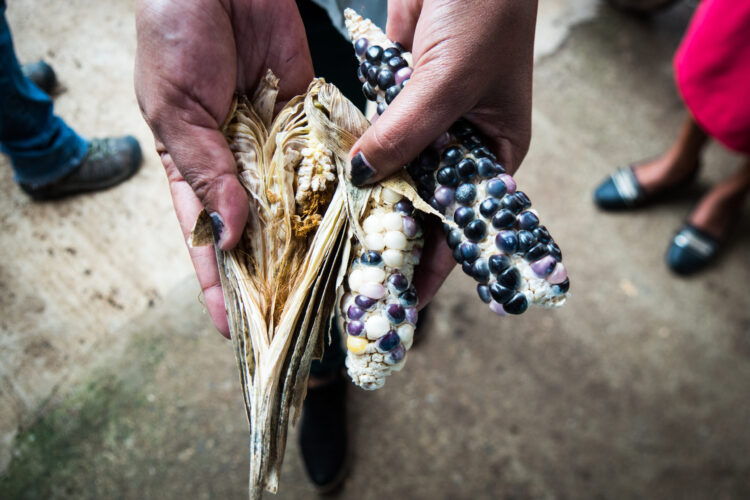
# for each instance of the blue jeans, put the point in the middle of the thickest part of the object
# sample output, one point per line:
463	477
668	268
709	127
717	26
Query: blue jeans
41	146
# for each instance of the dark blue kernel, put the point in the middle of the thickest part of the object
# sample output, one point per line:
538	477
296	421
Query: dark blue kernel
488	207
408	297
398	282
428	160
386	78
398	46
526	240
510	278
480	270
381	108
362	76
391	93
369	92
461	129
374	54
404	207
364	67
463	215
447	176
525	201
371	258
372	76
498	263
466	168
484	293
466	193
391	52
360	46
436	205
396	63
482	152
452	155
561	287
447	228
476	230
527	220
364	302
395	313
503	219
554	251
542	234
469	251
536	252
486	167
496	188
389	341
467	269
414	170
425	194
454	238
500	293
427	181
457	254
471	141
512	203
517	305
507	241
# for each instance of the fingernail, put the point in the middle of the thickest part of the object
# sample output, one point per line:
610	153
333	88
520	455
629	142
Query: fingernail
217	226
360	170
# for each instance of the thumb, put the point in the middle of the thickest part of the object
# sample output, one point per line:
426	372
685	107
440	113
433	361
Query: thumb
427	105
202	156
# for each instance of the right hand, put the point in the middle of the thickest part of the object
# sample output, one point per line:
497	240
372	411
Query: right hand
192	56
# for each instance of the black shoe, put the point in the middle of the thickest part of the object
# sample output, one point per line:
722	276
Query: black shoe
108	162
622	191
42	75
691	250
322	435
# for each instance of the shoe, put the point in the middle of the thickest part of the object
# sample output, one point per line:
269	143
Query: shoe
41	74
691	250
323	435
622	191
108	162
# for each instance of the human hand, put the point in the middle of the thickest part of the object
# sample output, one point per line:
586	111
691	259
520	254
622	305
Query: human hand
192	57
471	59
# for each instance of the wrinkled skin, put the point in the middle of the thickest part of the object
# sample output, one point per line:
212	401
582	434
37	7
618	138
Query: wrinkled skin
472	59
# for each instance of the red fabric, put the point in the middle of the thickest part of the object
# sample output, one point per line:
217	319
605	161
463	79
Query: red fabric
712	67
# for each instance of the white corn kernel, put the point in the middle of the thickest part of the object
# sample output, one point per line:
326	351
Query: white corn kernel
393	258
406	333
395	240
355	280
376	326
373	274
392	221
391	196
372	224
374	241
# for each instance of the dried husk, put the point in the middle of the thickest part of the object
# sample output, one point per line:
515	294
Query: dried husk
280	281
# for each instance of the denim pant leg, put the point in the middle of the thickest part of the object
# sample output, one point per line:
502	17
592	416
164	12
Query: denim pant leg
42	148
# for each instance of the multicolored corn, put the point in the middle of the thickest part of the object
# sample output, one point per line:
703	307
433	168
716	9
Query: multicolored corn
379	308
494	233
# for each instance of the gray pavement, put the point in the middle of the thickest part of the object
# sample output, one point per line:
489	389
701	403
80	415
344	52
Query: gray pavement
637	388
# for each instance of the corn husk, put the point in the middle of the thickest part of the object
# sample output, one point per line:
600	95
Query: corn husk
280	281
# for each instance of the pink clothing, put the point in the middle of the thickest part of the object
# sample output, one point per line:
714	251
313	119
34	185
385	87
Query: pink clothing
712	67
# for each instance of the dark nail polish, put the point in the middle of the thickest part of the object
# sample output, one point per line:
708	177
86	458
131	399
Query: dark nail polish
360	171
217	226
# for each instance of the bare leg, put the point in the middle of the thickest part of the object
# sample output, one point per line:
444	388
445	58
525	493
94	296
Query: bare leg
718	209
677	163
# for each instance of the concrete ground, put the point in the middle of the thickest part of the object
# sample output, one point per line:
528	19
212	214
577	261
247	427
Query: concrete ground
113	384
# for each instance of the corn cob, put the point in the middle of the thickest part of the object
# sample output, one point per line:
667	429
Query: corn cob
379	306
494	233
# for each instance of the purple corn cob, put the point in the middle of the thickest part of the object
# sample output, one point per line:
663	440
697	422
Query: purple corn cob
494	233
